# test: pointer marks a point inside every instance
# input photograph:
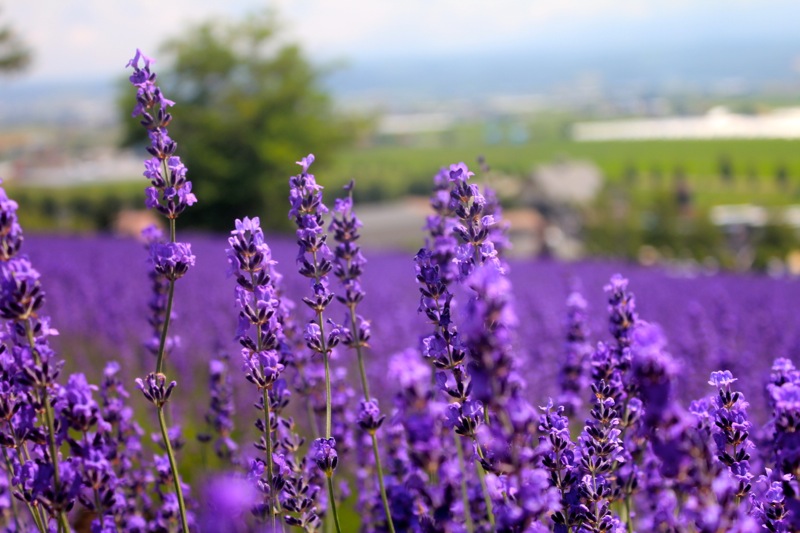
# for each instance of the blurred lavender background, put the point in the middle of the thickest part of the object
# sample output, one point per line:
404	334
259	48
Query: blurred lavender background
98	292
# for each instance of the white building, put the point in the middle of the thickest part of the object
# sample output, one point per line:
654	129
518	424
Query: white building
718	123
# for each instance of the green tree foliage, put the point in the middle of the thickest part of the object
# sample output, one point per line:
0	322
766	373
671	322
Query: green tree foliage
14	55
248	105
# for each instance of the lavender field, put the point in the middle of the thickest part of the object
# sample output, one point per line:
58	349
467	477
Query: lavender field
98	292
241	383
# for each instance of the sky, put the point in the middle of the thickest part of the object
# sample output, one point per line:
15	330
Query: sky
93	39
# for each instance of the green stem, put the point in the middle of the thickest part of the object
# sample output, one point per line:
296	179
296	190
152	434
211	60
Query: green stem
10	472
273	501
361	367
464	496
326	361
268	439
333	503
39	511
173	465
9	466
63	525
97	503
328	400
486	497
629	522
378	467
365	389
162	341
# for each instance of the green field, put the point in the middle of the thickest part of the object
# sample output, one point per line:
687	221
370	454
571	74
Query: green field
405	166
396	169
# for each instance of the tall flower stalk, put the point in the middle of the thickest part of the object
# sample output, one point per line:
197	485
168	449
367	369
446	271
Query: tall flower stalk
349	263
460	243
170	194
251	262
314	260
446	351
731	431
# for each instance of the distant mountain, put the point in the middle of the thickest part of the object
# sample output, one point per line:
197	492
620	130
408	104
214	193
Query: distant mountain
708	68
396	83
82	102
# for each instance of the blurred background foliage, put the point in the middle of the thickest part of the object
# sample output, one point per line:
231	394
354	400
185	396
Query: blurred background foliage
14	53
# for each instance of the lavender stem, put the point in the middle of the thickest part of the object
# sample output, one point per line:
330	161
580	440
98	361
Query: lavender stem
162	342
268	439
175	478
482	478
63	525
464	495
333	503
9	471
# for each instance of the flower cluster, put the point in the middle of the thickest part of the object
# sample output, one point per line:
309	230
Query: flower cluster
732	430
474	221
170	193
560	459
783	494
42	418
442	240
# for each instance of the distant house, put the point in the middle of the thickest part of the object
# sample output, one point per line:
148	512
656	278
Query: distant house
564	182
718	123
131	222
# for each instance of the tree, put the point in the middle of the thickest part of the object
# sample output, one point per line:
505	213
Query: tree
248	105
14	55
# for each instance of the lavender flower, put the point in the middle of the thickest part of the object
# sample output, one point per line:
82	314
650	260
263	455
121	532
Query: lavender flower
621	309
220	412
10	230
489	328
170	191
314	260
369	416
654	370
172	260
324	453
601	451
784	395
156	389
260	335
159	296
31	373
559	458
349	264
732	431
442	240
770	508
572	377
474	222
123	444
170	194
